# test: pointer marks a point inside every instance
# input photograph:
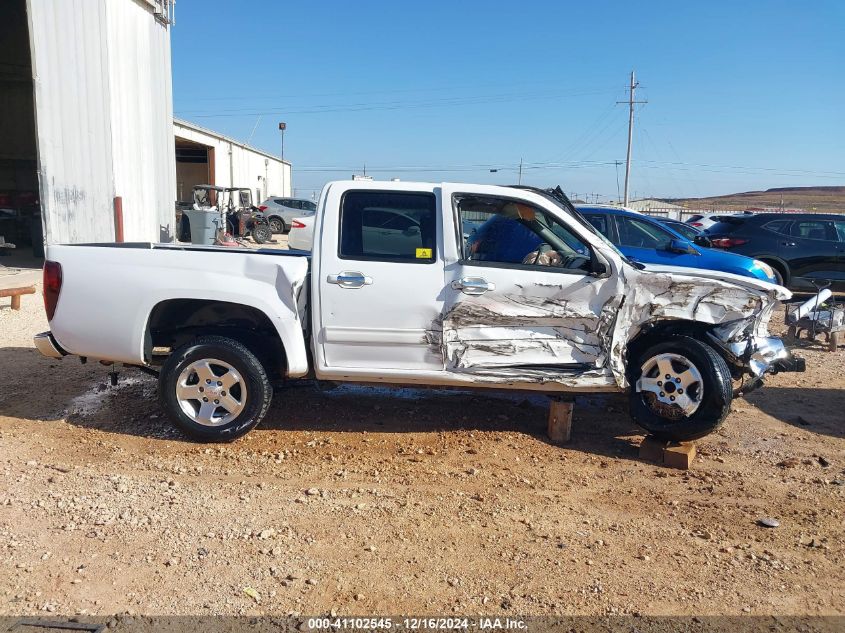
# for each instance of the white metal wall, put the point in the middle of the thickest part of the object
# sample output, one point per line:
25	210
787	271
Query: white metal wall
243	166
103	103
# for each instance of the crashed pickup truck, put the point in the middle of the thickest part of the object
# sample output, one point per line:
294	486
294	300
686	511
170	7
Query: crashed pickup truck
397	291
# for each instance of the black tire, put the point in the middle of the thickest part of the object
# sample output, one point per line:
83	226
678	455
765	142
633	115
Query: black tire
778	276
255	402
277	225
715	395
261	233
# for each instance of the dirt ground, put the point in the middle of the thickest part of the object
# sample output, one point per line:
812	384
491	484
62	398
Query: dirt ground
363	501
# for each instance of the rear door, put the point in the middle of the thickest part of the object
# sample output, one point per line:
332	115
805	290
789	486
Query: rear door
812	250
520	296
380	279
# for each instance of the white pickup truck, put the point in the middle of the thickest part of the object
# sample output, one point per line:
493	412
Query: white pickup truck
417	284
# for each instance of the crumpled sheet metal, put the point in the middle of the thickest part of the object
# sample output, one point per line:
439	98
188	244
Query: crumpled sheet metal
520	337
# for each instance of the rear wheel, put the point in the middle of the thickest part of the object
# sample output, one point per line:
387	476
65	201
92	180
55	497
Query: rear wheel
680	389
214	389
277	225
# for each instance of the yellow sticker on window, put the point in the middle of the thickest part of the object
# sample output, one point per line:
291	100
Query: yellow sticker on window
423	253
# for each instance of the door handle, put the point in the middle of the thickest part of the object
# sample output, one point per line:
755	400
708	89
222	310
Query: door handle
350	279
473	285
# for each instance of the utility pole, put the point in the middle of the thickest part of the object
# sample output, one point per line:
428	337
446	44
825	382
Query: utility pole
630	102
520	172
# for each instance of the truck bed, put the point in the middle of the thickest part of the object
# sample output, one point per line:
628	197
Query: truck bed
109	291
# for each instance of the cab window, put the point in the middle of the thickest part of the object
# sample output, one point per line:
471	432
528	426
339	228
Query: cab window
504	232
389	226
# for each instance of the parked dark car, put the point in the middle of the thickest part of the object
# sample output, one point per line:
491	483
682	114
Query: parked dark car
801	248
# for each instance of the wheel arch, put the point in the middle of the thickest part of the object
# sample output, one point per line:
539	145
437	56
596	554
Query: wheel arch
174	322
778	264
656	331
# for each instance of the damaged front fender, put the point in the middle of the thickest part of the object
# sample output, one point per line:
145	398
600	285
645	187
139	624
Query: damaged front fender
739	308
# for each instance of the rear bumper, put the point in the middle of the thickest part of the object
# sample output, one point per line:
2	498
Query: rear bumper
47	345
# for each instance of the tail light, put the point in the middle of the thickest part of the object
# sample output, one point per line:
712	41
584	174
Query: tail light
296	224
52	287
728	242
263	207
699	224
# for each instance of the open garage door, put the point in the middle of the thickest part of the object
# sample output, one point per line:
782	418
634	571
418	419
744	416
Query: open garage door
20	209
194	166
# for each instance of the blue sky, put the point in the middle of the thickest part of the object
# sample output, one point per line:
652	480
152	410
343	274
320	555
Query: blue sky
741	95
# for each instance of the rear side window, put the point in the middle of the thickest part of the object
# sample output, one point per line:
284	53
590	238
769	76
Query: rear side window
778	226
388	226
812	230
840	229
694	218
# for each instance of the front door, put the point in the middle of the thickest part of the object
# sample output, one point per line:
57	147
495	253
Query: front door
521	300
380	282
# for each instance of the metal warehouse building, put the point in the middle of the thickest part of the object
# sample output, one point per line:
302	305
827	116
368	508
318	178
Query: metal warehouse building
86	101
204	156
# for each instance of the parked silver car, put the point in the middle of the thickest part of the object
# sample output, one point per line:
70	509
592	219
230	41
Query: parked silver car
282	211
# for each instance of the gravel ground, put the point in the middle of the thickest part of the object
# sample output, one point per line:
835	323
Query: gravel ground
364	501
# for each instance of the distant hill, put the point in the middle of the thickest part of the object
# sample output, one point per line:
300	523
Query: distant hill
819	199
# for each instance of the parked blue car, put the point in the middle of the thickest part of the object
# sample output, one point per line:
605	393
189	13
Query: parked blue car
647	240
639	237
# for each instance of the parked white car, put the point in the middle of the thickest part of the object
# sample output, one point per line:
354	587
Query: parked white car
301	234
704	222
394	292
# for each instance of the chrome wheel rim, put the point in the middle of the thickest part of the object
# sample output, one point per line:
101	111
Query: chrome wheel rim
211	392
671	385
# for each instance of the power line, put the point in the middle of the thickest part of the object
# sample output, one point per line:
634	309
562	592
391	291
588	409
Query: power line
391	105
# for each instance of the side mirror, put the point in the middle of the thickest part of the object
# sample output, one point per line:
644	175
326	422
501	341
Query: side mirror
412	230
683	247
703	241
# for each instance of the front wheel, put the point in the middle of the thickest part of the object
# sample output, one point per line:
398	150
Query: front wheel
261	233
214	389
681	389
